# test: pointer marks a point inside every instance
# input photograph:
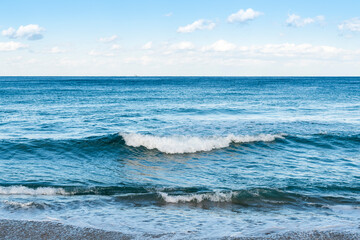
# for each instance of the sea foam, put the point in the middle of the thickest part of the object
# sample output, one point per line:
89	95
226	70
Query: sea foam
22	190
25	205
197	198
189	144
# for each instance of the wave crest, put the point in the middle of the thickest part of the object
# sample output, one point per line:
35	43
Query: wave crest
22	190
188	144
197	198
25	205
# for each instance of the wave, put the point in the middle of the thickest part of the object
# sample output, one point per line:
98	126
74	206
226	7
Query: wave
126	143
197	198
25	205
188	144
22	190
257	197
122	142
69	190
194	195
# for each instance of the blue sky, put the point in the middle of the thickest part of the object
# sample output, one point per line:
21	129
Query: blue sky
231	38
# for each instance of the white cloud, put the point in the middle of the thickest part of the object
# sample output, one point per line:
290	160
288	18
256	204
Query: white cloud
186	45
29	32
169	14
72	62
244	15
352	25
11	46
144	60
56	50
115	47
294	20
32	61
9	32
103	54
197	25
108	39
147	46
220	46
279	51
293	50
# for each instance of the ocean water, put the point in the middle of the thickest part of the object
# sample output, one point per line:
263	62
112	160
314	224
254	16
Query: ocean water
186	157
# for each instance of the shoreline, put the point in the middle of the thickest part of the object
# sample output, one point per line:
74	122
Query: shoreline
23	229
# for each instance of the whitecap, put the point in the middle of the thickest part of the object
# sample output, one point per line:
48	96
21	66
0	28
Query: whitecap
22	190
25	205
198	197
191	144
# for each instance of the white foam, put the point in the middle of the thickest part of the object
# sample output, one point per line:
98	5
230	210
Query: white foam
200	197
21	190
188	144
24	205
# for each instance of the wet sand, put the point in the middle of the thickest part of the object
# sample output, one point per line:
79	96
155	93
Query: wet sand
13	229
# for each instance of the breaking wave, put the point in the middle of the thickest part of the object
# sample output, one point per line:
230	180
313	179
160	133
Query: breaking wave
22	190
188	144
152	195
176	144
25	205
197	198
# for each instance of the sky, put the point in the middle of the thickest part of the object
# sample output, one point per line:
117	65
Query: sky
179	38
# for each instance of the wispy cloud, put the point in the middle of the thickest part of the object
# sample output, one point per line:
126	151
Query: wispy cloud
108	39
294	20
293	50
352	25
11	46
220	46
56	49
103	54
244	15
179	47
169	14
144	60
29	32
115	47
197	25
186	45
147	46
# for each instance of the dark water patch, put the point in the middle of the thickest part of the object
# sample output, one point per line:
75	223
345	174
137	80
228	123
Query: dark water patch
326	141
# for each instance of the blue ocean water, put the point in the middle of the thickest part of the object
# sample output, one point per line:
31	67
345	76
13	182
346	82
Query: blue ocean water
186	156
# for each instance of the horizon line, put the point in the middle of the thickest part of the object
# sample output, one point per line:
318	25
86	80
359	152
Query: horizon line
135	76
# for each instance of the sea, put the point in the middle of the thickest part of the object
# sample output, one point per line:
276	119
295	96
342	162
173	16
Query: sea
182	157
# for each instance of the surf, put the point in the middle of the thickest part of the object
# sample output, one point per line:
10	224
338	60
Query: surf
192	144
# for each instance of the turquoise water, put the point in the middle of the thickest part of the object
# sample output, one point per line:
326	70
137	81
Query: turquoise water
190	156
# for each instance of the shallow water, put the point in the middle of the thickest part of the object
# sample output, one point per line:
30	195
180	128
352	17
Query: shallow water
195	156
